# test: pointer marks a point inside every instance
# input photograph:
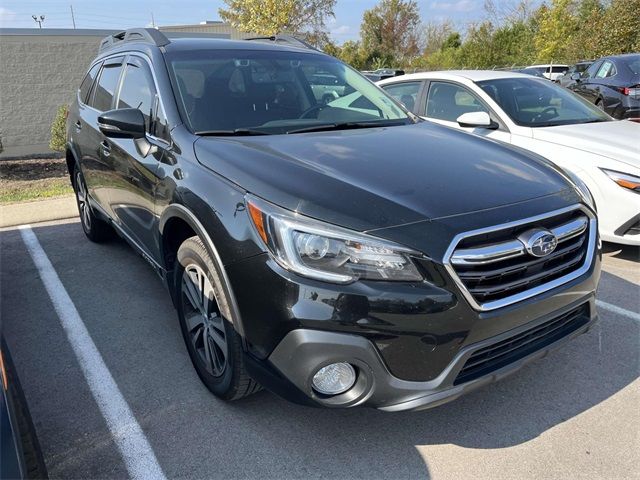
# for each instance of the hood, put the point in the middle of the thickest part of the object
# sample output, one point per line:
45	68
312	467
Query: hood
617	140
380	177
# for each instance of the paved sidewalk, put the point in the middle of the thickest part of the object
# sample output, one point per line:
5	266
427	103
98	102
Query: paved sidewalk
13	214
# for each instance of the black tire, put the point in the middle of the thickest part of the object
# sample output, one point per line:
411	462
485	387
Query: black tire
96	229
222	368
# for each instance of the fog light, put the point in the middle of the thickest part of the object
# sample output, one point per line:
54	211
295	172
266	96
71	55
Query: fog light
334	379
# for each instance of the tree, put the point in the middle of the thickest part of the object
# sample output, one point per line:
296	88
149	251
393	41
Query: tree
436	35
391	29
306	18
557	29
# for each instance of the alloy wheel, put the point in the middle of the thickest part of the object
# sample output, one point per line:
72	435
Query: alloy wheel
203	320
83	205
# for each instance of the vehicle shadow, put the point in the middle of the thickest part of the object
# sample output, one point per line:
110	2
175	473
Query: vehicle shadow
623	252
277	439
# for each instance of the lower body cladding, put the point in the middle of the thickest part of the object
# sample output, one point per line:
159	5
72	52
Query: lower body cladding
407	347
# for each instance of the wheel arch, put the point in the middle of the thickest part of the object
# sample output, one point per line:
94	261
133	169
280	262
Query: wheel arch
177	221
72	159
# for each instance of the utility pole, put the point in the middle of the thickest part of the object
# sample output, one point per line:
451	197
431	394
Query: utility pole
38	20
153	22
73	18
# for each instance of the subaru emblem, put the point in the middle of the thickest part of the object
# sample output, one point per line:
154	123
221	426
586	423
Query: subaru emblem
538	242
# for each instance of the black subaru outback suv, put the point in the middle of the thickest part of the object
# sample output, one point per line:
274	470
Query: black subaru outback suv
338	252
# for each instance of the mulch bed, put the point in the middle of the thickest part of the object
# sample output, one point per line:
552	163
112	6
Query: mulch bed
35	169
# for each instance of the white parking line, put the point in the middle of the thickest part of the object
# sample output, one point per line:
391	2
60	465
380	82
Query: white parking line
619	310
134	447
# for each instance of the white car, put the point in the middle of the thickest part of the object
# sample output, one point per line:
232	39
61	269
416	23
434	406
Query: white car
551	71
546	119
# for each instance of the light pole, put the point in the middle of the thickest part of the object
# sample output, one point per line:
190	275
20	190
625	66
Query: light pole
38	20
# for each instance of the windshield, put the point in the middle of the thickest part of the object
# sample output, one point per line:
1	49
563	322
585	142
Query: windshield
633	62
530	102
274	92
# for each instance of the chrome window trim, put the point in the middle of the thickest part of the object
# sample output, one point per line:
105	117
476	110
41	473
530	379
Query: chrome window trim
518	297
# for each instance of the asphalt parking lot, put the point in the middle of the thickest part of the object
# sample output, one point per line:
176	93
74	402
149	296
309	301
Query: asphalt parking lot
573	414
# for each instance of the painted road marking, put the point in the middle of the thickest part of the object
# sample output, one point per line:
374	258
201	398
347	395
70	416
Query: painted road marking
134	447
619	310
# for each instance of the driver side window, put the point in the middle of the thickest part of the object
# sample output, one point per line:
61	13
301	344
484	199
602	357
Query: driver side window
138	91
447	101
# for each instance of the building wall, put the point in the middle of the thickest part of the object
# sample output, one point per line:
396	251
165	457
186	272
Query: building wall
40	70
38	74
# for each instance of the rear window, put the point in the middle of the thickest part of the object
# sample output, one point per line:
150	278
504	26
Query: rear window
103	96
634	64
85	86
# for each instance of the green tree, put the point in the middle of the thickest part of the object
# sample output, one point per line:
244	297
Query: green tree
59	130
392	30
557	31
306	18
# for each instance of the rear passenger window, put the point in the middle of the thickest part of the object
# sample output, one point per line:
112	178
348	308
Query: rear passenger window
405	92
85	86
104	91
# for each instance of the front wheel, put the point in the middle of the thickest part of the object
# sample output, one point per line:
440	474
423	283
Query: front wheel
213	344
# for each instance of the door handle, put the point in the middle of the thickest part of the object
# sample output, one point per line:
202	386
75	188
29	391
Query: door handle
78	126
106	149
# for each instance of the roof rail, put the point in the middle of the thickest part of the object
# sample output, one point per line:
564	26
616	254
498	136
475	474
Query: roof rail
147	35
285	39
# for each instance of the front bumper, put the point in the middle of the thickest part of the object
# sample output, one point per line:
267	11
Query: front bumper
408	342
303	351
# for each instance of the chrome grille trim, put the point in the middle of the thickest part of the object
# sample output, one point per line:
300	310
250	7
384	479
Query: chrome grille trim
513	248
565	231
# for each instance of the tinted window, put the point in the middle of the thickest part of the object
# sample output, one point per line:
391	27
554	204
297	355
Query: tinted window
406	93
106	87
85	87
447	101
538	103
273	91
558	69
138	90
633	62
591	71
606	70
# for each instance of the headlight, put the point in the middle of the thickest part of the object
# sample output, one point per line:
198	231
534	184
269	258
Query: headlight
582	189
326	252
630	182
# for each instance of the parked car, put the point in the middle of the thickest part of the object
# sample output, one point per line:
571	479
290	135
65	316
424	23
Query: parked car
382	73
546	119
20	453
613	85
531	71
303	253
567	79
551	71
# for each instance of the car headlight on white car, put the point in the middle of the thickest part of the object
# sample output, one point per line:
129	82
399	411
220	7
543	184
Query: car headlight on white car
582	189
327	252
630	182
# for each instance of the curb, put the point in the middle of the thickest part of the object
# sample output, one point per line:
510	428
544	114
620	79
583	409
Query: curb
14	214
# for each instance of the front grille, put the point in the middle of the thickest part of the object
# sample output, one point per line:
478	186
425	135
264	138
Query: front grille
501	354
496	265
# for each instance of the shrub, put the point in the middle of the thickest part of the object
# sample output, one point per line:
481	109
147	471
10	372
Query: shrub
59	130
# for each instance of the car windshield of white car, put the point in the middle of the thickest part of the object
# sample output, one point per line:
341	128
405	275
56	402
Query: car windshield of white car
267	92
532	102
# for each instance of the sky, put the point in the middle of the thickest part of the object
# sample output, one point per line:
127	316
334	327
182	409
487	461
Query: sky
119	14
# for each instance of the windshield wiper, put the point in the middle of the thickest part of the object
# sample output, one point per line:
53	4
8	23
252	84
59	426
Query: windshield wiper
238	132
345	126
568	123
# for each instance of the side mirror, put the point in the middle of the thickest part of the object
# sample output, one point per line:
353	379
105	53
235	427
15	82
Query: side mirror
476	120
122	123
575	76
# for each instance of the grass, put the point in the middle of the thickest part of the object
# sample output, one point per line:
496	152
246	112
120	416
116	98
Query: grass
25	191
26	180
